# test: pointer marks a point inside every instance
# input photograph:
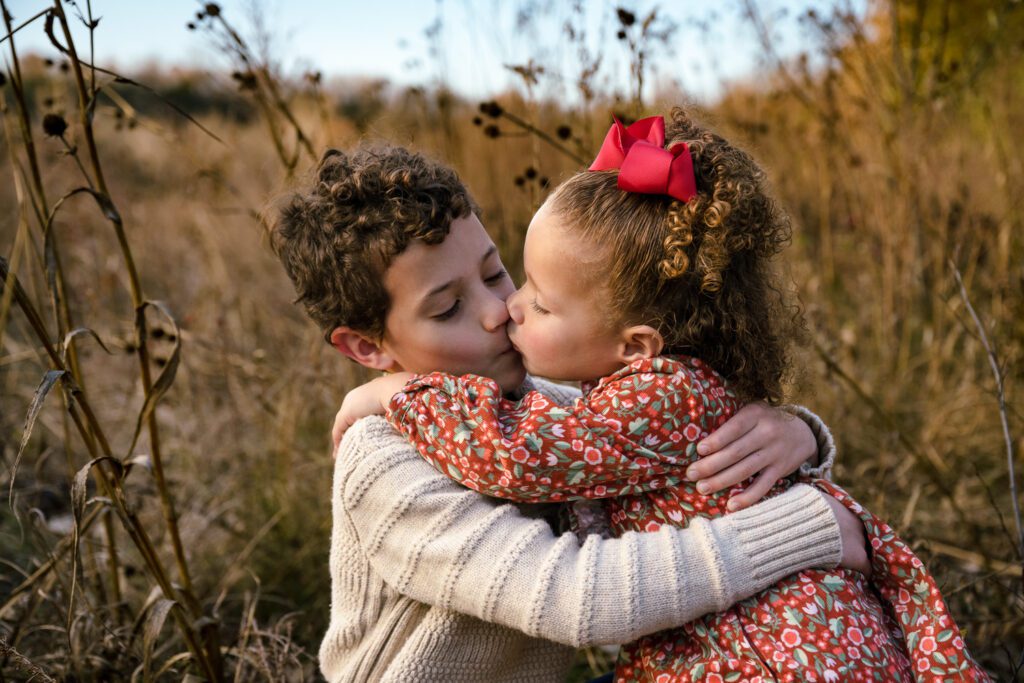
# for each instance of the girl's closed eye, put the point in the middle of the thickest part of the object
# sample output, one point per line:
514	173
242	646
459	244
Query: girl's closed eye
450	312
537	307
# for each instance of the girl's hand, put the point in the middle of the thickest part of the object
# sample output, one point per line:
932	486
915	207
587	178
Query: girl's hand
758	440
371	398
855	546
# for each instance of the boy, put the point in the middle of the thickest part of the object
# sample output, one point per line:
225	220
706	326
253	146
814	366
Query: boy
434	582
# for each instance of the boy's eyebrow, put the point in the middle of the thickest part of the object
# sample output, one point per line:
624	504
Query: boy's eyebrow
440	288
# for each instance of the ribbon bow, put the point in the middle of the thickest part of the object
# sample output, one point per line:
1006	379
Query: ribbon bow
644	165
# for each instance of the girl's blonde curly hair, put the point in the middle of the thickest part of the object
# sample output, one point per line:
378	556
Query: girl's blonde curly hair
700	271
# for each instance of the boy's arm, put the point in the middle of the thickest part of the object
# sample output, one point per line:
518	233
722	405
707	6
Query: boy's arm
440	544
537	450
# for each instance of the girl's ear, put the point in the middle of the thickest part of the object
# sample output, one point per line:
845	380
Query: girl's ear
362	349
639	342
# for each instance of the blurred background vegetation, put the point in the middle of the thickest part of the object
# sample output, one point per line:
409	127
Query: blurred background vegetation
165	408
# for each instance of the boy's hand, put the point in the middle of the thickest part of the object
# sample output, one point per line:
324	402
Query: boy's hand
371	398
758	440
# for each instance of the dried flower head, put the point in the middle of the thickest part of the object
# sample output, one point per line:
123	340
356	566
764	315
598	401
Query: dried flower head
530	173
477	121
563	132
54	125
626	18
492	109
492	131
246	80
212	9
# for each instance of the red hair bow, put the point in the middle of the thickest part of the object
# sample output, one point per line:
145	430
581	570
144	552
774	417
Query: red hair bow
644	165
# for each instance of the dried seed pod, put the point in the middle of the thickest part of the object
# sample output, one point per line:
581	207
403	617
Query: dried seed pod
212	9
491	108
563	132
626	18
492	131
54	125
530	173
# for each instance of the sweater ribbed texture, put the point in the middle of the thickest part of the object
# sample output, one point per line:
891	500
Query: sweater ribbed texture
433	582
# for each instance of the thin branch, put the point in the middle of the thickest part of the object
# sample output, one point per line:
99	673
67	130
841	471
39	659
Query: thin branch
1001	394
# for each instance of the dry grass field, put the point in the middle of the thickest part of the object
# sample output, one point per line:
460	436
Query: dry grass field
165	408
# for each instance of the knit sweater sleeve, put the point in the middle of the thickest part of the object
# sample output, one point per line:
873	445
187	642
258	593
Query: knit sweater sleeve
822	469
440	544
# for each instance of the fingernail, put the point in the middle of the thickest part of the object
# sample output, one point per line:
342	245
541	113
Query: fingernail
704	487
691	474
702	449
733	505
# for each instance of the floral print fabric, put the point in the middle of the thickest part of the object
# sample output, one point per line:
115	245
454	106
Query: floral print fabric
628	441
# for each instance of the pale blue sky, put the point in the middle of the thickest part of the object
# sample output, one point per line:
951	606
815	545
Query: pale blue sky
387	39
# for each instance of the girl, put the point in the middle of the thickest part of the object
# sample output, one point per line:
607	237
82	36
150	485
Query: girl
648	278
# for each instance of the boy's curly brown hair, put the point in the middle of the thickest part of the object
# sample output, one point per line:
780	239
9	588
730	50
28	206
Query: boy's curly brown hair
700	271
337	235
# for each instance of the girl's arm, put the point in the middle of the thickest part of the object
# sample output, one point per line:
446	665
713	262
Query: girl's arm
442	545
615	441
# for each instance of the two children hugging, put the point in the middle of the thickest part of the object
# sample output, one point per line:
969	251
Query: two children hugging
649	280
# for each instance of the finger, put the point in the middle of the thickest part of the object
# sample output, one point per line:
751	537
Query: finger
753	493
737	474
735	452
734	428
338	430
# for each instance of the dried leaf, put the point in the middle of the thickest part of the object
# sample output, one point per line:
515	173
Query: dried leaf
79	331
79	487
49	379
166	378
154	623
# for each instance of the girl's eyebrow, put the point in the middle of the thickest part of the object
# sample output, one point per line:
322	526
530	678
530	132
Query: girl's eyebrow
440	288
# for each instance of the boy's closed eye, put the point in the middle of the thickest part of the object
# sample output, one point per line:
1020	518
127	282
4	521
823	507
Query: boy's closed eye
497	278
537	307
450	312
491	280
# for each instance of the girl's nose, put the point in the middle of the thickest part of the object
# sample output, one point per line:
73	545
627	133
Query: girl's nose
515	306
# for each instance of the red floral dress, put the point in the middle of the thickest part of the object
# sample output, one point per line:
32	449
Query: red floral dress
628	441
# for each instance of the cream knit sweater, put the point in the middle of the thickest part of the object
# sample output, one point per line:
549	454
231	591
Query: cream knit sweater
433	582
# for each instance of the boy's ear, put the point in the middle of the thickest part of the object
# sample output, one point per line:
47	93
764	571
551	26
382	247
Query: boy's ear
361	348
639	342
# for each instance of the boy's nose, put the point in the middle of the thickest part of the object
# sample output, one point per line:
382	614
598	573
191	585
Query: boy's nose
515	308
496	315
